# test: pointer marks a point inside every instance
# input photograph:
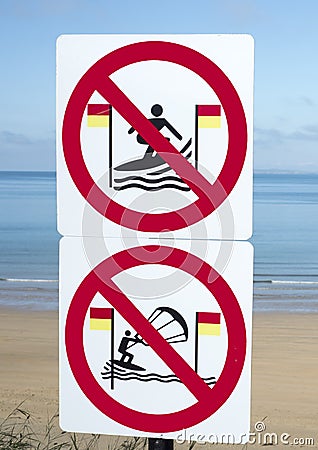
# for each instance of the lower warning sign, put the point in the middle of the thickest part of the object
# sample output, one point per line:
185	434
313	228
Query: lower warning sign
155	362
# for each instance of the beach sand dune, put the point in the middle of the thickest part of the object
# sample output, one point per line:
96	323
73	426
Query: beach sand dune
284	369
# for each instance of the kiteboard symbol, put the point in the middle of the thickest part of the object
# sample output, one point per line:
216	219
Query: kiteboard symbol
172	326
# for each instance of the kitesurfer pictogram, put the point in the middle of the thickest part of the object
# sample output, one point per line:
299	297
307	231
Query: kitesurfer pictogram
173	327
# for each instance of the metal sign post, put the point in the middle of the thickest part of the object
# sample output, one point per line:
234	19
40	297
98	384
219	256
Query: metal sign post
160	444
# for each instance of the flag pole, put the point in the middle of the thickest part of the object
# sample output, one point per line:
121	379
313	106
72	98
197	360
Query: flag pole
196	137
196	358
110	147
112	338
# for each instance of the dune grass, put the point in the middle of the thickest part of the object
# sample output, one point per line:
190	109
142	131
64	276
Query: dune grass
19	431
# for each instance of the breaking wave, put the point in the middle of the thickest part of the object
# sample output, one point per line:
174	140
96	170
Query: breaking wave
27	280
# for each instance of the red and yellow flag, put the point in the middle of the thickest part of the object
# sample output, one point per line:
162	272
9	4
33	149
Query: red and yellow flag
209	323
101	318
208	116
98	115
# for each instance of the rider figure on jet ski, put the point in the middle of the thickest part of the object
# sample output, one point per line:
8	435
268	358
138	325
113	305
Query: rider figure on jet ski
159	123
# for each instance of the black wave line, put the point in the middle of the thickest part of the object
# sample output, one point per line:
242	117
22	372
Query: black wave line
137	378
140	376
152	374
160	380
132	377
152	188
128	376
157	180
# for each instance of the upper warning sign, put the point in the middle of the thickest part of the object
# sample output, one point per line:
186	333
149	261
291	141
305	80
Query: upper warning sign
154	134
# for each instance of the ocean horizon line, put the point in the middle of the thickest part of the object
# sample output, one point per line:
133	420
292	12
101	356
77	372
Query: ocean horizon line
256	172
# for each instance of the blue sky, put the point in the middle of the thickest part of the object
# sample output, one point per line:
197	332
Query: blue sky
286	68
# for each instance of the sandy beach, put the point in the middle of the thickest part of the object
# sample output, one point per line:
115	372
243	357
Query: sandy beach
284	369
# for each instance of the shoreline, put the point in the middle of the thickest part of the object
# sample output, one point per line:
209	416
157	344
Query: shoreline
284	368
270	296
258	312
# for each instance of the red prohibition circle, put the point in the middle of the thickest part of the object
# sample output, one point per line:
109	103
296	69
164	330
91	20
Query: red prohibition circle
208	400
210	196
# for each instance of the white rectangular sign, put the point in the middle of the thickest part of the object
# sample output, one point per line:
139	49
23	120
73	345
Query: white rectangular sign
155	340
154	135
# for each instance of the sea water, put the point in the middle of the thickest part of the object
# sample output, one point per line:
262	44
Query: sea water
28	240
285	240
